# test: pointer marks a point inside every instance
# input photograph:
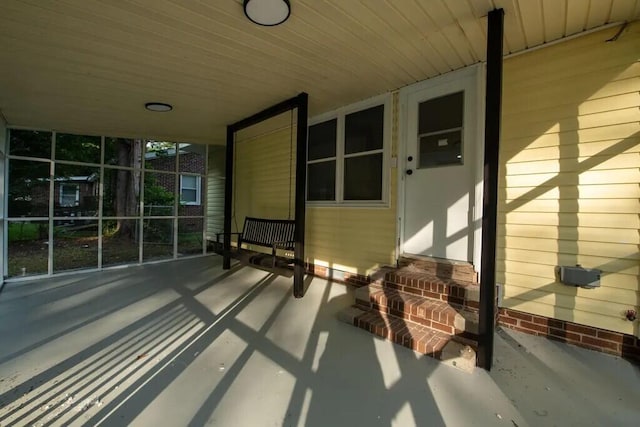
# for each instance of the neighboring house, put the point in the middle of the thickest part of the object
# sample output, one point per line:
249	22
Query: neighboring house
568	188
190	185
73	196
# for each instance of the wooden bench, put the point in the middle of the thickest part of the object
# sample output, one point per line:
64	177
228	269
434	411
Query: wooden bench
270	233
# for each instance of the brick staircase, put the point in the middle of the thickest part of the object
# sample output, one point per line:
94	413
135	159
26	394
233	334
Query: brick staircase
426	304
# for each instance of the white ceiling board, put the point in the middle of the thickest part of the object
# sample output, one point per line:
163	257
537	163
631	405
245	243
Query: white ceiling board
89	66
532	9
599	12
577	15
471	27
621	10
554	18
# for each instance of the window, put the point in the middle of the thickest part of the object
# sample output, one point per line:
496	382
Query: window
346	156
440	131
190	190
69	195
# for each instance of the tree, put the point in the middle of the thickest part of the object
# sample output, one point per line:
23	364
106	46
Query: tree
127	185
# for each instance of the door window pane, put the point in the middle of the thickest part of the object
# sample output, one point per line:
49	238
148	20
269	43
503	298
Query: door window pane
30	143
363	177
322	140
364	130
321	181
440	149
445	112
78	148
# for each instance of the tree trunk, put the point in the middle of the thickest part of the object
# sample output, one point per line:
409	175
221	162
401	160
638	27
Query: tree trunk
129	154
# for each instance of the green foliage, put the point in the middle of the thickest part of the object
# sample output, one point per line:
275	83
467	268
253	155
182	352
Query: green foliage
24	231
155	194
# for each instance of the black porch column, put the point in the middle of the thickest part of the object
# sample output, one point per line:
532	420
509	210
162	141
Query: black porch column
228	199
301	194
490	192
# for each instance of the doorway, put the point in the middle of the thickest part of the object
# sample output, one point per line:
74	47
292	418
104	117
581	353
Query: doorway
442	142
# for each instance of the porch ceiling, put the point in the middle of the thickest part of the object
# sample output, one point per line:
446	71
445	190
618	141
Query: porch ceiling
89	66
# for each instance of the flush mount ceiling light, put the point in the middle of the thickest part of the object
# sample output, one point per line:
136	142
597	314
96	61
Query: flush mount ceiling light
267	12
158	107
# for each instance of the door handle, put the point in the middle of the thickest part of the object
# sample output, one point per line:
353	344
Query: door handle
409	171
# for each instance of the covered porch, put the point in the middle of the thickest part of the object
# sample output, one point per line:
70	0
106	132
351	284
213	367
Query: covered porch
151	345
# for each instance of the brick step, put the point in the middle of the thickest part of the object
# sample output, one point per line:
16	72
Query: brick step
432	313
447	348
443	268
455	292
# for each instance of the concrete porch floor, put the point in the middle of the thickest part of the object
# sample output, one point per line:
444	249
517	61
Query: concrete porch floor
187	344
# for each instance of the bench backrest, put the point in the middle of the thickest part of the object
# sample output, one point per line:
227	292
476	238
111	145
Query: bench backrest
263	232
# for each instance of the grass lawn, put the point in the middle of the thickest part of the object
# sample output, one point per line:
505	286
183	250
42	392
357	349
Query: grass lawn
77	247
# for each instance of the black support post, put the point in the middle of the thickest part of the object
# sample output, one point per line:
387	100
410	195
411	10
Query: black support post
301	196
493	109
228	199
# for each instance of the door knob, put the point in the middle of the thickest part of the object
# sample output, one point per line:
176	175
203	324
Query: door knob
409	171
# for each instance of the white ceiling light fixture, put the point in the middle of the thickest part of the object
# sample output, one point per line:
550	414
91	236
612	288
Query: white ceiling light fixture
158	107
267	13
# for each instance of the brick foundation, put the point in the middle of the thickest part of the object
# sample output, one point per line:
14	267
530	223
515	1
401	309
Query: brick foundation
610	342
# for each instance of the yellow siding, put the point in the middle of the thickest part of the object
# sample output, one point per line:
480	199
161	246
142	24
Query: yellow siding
356	240
215	191
264	176
570	178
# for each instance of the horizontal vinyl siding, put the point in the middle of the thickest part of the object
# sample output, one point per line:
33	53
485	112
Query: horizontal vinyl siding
264	178
357	240
570	179
215	191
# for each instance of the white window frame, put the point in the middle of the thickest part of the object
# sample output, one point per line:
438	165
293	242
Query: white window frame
61	195
340	114
198	189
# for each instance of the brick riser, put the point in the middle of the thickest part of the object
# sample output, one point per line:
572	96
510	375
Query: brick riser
427	312
462	294
414	336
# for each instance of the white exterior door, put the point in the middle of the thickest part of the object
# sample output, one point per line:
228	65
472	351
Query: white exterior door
442	142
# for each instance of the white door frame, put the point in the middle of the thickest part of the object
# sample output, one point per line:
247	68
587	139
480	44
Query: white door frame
477	153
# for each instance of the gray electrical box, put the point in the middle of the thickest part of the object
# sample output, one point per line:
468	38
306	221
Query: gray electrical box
579	276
